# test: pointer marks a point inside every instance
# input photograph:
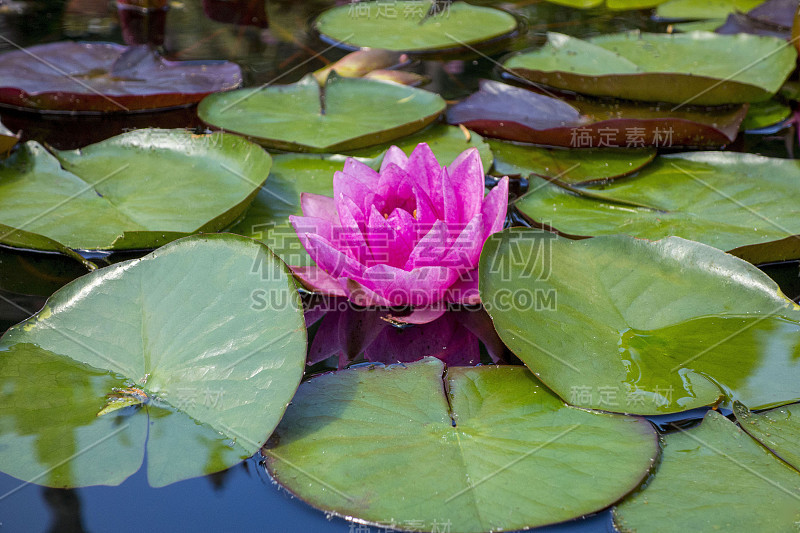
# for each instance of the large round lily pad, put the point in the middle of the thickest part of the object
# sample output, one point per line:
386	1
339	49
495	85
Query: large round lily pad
107	77
161	354
137	190
483	449
777	429
629	325
700	68
742	203
413	25
714	477
342	114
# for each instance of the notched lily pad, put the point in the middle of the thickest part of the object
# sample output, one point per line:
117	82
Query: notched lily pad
777	429
408	442
629	325
162	354
513	113
741	203
107	77
714	477
413	25
138	190
342	114
700	68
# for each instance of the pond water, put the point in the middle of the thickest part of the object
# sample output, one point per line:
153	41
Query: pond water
244	497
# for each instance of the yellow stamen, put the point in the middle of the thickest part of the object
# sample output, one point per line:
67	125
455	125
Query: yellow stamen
414	214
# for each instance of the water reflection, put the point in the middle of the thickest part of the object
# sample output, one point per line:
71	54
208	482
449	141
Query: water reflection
345	334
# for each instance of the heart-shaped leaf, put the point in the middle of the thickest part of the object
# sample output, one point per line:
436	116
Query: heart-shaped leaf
107	77
699	68
714	478
742	203
777	429
513	113
629	325
569	166
342	114
169	349
137	190
413	25
406	443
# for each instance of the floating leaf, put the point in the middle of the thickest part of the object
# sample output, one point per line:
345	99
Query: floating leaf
517	114
107	77
344	114
764	114
699	68
629	325
714	478
704	9
383	443
214	374
267	219
413	26
618	5
137	190
570	166
742	203
777	429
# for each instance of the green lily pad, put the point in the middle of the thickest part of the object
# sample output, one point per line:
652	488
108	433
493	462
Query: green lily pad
764	114
714	478
387	443
137	190
777	429
741	203
699	68
342	114
629	325
570	166
267	219
704	9
171	333
413	26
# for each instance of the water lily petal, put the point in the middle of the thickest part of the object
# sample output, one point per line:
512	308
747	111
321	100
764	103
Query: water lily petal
425	213
380	237
424	169
465	177
320	226
316	205
431	248
494	208
361	295
329	258
464	290
418	287
394	155
405	232
465	250
317	280
349	236
395	190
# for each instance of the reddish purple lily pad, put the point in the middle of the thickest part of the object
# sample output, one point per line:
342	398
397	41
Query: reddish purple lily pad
107	77
513	113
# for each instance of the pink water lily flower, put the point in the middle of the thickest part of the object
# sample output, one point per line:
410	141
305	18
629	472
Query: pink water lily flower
410	234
